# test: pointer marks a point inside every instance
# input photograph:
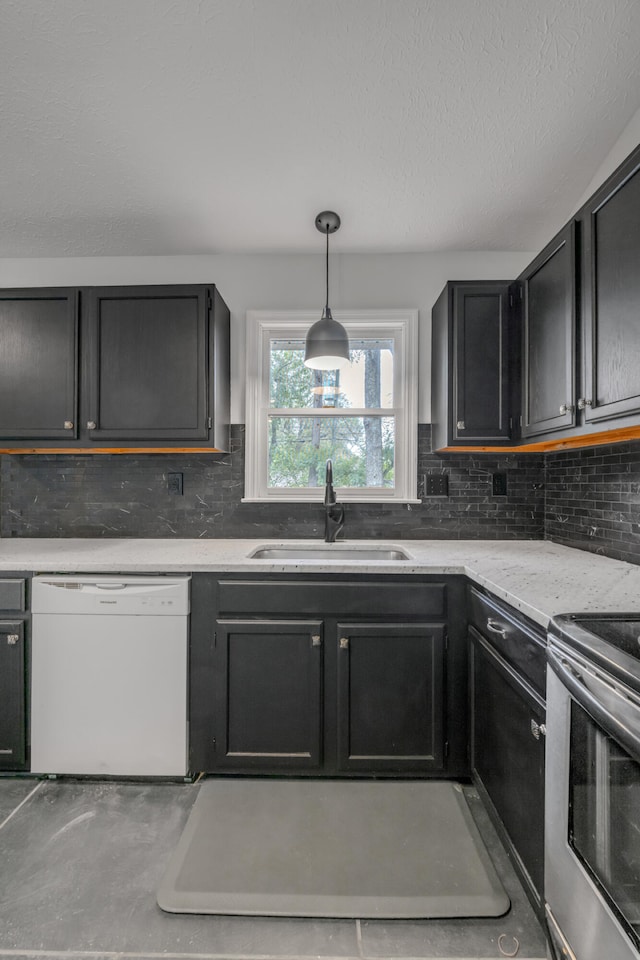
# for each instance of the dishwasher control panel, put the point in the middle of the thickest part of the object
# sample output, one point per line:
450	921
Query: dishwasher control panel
125	595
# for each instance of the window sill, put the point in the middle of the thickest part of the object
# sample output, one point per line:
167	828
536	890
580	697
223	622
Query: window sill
318	500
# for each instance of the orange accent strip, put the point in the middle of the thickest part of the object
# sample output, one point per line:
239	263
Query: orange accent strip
111	450
548	446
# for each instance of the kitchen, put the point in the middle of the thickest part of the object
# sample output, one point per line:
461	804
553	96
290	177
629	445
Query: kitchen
579	498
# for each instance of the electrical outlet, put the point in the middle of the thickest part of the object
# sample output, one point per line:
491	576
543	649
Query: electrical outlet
174	483
499	484
437	485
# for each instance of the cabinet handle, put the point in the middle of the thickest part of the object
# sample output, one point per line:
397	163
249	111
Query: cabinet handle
12	639
6	752
460	425
494	627
91	425
344	643
566	408
316	640
583	403
68	424
538	729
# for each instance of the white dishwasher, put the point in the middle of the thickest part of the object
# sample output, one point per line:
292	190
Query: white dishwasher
109	675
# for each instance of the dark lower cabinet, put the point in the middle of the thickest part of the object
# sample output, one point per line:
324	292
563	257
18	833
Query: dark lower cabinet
507	756
268	694
328	676
391	697
13	744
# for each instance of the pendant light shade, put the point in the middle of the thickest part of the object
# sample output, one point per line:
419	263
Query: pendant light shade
327	343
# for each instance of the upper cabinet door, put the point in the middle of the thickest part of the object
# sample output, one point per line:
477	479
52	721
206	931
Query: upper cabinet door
481	343
147	363
38	363
549	337
611	296
470	364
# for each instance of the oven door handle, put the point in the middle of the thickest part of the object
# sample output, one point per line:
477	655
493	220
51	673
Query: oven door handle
616	713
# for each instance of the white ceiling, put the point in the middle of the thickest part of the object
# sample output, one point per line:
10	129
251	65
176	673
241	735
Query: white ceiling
146	127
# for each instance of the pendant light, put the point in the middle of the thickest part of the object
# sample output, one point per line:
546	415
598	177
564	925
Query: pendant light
327	343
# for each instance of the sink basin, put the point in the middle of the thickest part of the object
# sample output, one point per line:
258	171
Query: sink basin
328	551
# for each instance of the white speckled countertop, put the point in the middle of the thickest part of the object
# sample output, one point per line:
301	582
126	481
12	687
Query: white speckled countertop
539	578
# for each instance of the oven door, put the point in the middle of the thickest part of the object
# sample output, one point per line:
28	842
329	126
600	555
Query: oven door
592	820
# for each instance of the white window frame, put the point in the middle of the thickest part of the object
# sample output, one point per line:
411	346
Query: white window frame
265	325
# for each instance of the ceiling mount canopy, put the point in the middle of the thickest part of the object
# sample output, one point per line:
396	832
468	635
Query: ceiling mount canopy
327	343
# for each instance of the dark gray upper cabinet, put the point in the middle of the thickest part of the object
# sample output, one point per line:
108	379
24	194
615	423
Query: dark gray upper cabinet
38	364
470	396
147	363
105	366
548	290
611	296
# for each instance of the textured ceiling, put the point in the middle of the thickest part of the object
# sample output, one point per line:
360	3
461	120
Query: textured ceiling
142	127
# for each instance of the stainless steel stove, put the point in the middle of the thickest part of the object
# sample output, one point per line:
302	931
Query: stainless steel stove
592	829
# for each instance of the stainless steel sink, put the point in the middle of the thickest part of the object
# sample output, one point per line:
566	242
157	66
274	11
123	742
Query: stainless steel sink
328	551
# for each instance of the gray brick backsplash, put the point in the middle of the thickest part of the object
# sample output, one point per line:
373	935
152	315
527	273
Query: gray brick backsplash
588	499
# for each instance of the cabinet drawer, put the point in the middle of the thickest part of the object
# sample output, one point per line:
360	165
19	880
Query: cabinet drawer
517	639
12	595
344	599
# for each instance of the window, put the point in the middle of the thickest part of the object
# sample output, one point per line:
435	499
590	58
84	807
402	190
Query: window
363	417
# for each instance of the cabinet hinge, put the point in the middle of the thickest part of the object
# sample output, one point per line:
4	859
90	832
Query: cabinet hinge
520	421
510	299
209	423
209	303
215	638
446	641
520	288
446	748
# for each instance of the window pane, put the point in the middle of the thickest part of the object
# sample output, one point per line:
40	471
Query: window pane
367	382
362	450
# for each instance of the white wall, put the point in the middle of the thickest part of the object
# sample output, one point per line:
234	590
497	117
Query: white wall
287	282
626	142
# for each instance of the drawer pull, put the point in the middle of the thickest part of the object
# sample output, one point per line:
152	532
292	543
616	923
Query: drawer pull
538	729
316	640
494	627
12	639
6	753
344	643
460	425
566	408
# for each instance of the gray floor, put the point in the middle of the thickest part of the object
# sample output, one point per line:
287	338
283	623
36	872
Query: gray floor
80	863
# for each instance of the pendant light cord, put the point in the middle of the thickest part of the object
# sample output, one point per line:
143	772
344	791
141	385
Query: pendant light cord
327	303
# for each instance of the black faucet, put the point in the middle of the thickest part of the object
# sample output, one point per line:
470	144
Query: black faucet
333	511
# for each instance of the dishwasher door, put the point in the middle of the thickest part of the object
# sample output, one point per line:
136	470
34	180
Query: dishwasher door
109	675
